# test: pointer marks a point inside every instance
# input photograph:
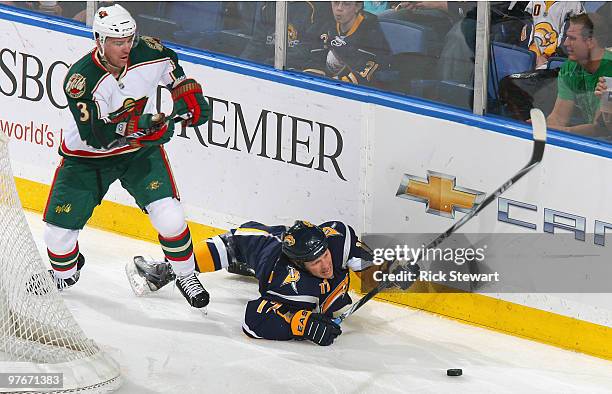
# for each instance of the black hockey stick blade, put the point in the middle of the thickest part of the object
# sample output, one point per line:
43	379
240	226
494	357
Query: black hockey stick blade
538	122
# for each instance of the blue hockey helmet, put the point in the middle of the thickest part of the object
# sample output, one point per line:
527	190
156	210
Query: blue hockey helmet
304	242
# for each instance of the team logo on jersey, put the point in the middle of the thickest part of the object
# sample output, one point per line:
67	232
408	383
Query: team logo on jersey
75	87
292	278
65	208
130	106
154	185
152	43
338	42
307	224
331	232
102	14
289	240
544	39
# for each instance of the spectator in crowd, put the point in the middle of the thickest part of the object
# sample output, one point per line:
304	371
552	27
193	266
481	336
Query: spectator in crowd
304	18
527	88
352	48
457	57
375	7
67	9
455	9
45	7
81	16
589	60
549	19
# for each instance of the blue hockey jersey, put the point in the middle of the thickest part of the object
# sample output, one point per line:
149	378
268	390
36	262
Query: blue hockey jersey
283	288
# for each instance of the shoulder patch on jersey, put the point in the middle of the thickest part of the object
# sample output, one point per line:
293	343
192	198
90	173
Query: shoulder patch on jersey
75	87
331	232
307	224
292	278
152	43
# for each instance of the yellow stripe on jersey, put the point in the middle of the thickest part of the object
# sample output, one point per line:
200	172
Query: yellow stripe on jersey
250	231
338	292
261	306
203	257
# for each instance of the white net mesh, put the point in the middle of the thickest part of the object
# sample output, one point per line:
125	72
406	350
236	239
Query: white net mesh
37	332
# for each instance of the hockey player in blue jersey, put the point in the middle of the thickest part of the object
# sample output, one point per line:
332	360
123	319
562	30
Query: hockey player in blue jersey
303	274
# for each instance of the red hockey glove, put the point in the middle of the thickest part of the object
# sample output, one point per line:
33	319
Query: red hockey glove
188	98
149	130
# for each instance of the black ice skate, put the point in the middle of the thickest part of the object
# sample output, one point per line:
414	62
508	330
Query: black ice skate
193	291
36	284
237	267
148	276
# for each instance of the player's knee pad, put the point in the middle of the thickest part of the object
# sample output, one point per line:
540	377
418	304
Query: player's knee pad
167	216
60	240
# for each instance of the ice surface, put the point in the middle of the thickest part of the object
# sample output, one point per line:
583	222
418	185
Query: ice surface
163	346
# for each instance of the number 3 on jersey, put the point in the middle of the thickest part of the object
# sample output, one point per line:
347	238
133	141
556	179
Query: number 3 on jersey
84	111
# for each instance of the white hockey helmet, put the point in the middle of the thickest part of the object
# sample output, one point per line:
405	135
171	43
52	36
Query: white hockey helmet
113	21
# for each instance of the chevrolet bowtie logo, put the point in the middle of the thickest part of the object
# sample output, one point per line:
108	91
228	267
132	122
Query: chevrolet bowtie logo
439	193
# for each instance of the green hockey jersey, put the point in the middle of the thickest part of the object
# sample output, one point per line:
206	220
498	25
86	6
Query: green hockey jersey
101	104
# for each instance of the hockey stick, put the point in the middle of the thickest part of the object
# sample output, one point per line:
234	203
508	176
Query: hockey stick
538	122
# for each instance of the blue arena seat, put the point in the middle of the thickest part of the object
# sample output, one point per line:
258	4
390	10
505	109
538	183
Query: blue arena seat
405	37
413	49
183	22
592	6
232	32
194	18
555	62
507	31
504	60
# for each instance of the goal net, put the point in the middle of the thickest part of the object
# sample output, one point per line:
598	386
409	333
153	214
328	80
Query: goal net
37	332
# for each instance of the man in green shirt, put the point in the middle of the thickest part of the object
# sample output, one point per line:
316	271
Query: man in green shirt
585	41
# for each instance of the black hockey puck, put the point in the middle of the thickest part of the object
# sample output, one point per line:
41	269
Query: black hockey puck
454	372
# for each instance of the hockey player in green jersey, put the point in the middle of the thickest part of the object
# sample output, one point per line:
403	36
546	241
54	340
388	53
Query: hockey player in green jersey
111	94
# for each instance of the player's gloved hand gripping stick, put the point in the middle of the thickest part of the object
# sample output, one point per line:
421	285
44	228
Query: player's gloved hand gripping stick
538	122
154	126
189	107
